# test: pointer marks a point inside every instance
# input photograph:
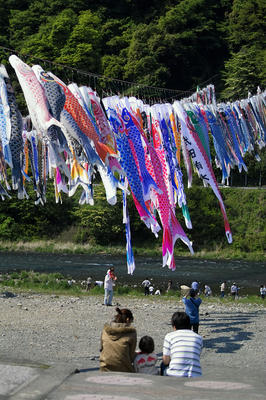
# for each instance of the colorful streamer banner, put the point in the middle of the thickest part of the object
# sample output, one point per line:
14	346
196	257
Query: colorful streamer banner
69	133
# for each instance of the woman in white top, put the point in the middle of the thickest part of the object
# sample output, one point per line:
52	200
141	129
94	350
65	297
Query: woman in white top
109	283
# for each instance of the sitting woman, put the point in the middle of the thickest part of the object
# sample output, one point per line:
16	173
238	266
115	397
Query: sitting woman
118	343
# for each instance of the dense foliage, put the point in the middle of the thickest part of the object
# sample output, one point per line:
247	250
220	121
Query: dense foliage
24	220
246	67
101	224
167	43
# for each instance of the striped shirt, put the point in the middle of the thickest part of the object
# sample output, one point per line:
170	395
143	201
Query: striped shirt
184	347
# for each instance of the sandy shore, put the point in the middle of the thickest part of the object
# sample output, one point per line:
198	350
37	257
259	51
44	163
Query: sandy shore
49	329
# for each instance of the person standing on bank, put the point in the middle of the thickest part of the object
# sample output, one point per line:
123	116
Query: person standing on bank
192	309
89	282
169	285
146	283
109	283
262	291
195	286
207	291
234	291
223	287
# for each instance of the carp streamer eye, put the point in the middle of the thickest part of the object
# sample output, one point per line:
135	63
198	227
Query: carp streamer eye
9	88
46	77
126	117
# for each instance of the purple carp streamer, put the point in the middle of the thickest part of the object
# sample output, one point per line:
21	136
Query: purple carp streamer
69	133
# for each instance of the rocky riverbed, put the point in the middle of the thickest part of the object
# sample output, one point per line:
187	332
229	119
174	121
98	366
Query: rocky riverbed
51	329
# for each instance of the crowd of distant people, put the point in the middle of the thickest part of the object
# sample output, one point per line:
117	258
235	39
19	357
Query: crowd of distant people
206	290
110	280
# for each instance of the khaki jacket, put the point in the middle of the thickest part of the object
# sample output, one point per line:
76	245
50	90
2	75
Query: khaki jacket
118	345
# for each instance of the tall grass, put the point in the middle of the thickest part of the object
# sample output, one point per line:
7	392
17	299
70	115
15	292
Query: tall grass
56	247
56	283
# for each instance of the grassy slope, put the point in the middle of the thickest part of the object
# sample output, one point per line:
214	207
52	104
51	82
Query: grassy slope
246	211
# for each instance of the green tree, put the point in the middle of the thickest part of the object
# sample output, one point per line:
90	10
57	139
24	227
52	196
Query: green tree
207	220
52	35
179	49
83	47
144	52
247	218
246	67
157	42
100	224
23	220
116	35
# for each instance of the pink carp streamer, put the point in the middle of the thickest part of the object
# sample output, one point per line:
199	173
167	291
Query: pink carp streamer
69	133
172	230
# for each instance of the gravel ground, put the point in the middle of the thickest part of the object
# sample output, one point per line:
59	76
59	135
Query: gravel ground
51	329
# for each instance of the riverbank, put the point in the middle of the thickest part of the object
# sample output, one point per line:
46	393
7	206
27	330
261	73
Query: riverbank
248	275
65	247
67	329
58	284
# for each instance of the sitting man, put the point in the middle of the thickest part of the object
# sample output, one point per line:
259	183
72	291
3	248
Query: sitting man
181	349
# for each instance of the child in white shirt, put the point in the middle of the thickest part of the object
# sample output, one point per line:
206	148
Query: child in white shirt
144	362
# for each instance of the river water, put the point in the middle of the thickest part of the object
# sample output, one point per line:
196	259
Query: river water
248	275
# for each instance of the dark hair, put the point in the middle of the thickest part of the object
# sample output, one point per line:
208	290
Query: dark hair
180	320
192	293
146	344
123	316
112	269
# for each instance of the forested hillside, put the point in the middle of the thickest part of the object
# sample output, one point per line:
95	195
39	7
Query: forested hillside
163	43
102	224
